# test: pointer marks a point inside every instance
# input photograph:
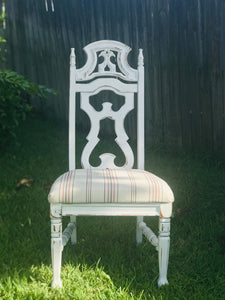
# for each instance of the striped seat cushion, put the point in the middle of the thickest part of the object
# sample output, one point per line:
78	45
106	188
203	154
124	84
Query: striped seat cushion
109	186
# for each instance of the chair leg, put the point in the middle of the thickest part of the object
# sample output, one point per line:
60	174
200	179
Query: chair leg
74	233
56	250
164	246
139	231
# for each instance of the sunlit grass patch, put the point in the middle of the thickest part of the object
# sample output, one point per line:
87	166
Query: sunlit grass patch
79	282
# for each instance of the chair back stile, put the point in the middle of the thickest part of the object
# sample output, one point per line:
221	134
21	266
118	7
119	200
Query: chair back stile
119	78
141	114
72	112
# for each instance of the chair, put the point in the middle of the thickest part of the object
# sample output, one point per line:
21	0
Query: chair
109	190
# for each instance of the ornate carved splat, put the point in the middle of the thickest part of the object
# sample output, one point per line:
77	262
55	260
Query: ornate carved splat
107	159
106	54
106	65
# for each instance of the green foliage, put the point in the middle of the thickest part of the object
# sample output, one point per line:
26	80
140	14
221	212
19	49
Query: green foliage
15	94
2	17
2	39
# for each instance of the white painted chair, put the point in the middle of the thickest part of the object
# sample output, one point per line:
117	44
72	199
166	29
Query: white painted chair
109	190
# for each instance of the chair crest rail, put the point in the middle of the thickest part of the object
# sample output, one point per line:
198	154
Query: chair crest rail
114	55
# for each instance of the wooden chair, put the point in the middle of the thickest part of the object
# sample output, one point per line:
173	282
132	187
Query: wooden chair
109	190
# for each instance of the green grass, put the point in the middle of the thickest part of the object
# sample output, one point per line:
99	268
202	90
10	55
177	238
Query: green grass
106	264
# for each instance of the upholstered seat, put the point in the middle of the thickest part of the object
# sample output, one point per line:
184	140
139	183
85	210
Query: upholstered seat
109	186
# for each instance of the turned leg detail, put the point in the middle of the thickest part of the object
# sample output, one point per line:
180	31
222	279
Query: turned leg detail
56	250
164	246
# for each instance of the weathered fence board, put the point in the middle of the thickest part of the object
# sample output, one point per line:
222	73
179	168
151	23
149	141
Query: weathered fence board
184	49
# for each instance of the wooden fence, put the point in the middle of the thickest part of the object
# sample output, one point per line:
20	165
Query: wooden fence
184	49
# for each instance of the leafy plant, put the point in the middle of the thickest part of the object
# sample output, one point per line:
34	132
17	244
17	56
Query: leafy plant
15	94
2	39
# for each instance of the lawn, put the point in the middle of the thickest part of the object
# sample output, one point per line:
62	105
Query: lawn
106	263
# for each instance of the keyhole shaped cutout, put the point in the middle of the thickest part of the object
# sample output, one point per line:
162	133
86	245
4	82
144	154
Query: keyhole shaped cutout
107	144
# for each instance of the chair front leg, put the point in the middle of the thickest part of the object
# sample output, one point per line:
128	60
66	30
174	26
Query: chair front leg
164	246
56	250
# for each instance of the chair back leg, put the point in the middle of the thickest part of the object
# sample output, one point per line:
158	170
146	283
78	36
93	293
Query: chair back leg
74	233
56	250
163	248
139	231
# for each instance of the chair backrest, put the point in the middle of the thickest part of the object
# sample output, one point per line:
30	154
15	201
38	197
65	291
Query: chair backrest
116	75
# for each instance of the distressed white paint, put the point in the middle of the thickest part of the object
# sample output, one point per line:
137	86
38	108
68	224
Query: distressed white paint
164	246
141	113
72	112
149	234
74	233
95	49
107	50
165	210
110	209
90	80
67	233
56	250
138	230
101	84
107	54
107	160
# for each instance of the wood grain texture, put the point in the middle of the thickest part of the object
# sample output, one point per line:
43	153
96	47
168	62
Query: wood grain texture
184	47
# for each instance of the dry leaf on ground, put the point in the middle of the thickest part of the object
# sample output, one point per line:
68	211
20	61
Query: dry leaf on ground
27	182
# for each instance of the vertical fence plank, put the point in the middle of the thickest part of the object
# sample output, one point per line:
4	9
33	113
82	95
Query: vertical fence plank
183	42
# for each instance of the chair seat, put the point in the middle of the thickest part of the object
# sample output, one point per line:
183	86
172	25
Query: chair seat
109	186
